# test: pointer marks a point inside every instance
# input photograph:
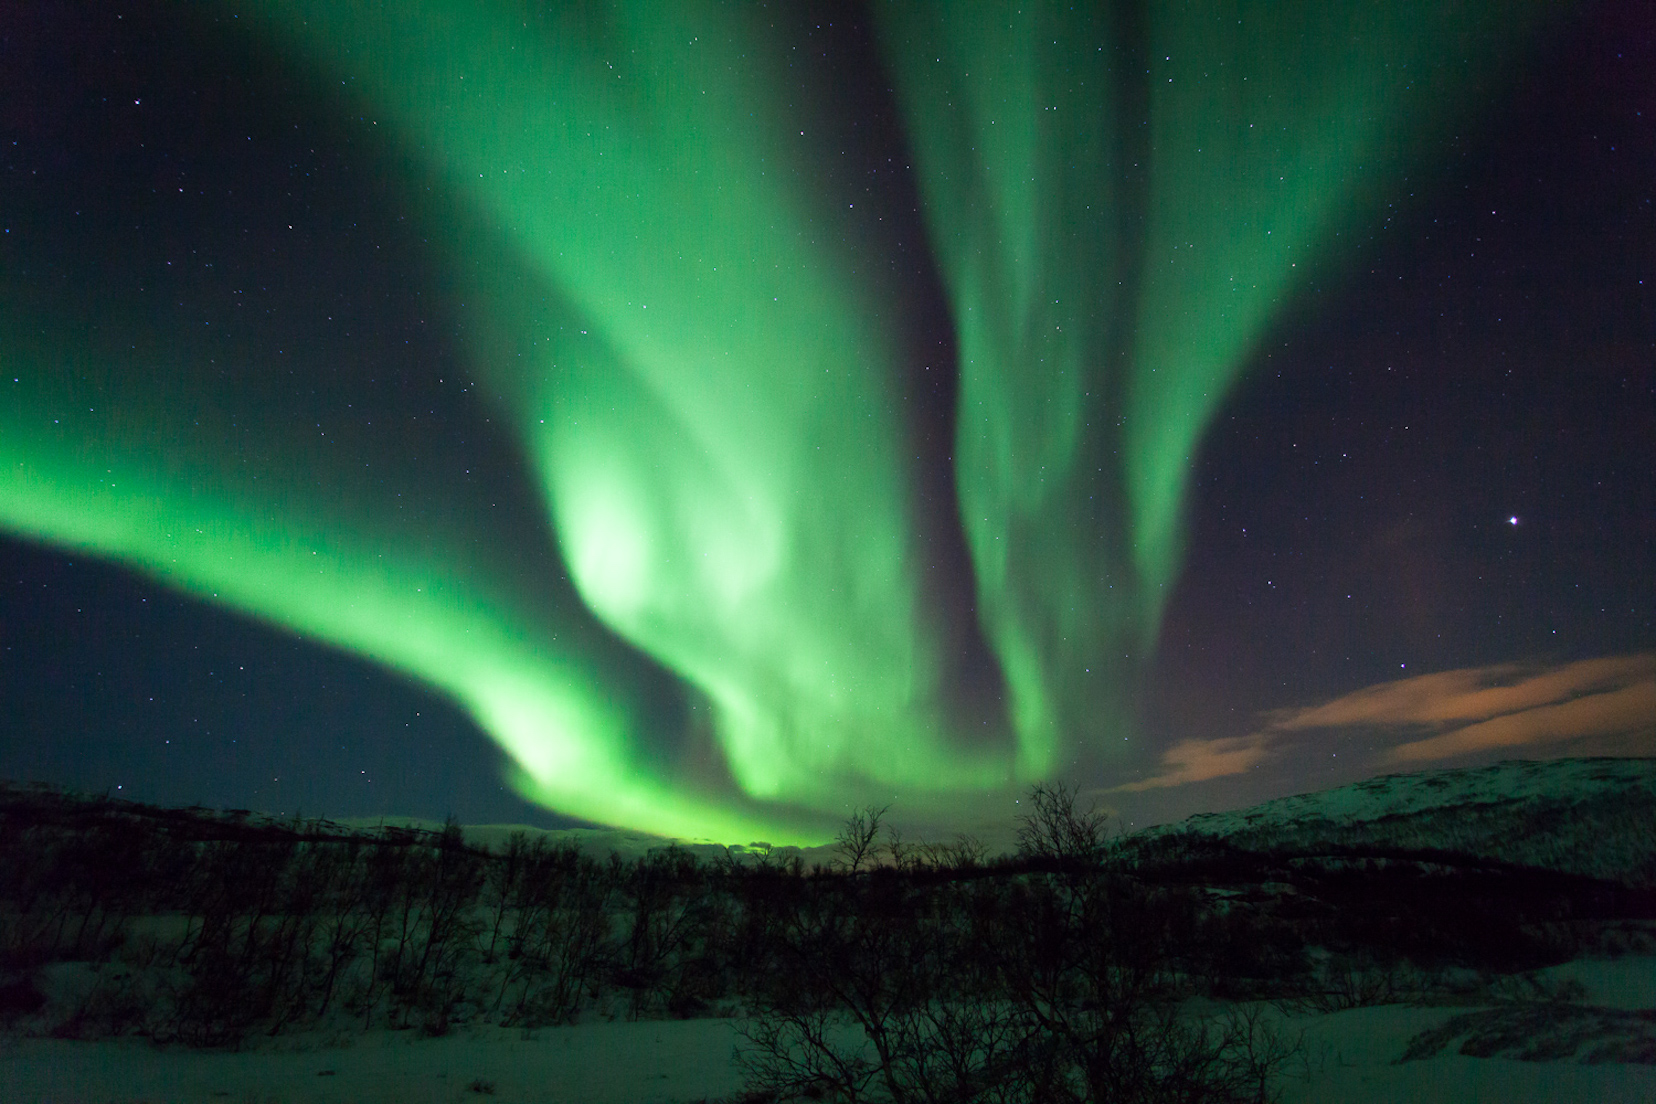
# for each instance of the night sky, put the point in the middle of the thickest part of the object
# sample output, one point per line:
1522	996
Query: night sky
1418	528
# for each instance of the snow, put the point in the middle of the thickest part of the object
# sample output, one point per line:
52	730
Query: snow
1593	817
1351	1057
1397	795
604	1063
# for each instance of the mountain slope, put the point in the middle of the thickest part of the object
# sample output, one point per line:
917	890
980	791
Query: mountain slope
1595	817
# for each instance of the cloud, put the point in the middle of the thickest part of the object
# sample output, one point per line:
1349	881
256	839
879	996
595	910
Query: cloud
1470	694
1199	760
1446	715
1600	713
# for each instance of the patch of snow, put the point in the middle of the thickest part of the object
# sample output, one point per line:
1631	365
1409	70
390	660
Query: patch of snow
1395	795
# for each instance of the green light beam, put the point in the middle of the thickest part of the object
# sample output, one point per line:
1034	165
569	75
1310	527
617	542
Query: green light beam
703	377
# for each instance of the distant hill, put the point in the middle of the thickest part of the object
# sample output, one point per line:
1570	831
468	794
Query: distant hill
598	842
40	805
1594	817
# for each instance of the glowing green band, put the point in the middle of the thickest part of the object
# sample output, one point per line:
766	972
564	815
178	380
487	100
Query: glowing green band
703	380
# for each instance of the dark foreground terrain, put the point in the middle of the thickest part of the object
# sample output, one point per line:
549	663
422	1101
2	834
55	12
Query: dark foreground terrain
1083	967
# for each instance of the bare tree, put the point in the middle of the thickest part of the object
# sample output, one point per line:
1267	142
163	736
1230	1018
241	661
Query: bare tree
1055	830
855	841
905	856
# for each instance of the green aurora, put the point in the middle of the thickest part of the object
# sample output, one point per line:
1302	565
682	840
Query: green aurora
702	371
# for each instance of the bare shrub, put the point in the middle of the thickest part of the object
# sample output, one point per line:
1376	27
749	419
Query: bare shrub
1055	831
558	938
668	913
1053	986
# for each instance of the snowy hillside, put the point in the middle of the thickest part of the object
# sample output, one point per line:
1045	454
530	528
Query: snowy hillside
1581	816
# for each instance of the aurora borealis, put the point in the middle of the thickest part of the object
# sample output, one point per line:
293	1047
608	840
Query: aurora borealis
746	485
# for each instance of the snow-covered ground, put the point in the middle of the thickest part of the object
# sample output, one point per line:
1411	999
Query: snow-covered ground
1350	1057
1354	1055
1582	1031
605	1063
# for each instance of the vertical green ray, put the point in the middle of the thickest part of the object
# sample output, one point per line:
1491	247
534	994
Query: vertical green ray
1275	128
727	474
1015	125
1121	196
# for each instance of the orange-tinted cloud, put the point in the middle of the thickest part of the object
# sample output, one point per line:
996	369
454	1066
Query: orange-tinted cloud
1607	712
1470	694
1449	714
1199	760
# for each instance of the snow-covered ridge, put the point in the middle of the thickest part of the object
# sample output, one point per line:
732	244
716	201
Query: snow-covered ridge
1403	794
1592	816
